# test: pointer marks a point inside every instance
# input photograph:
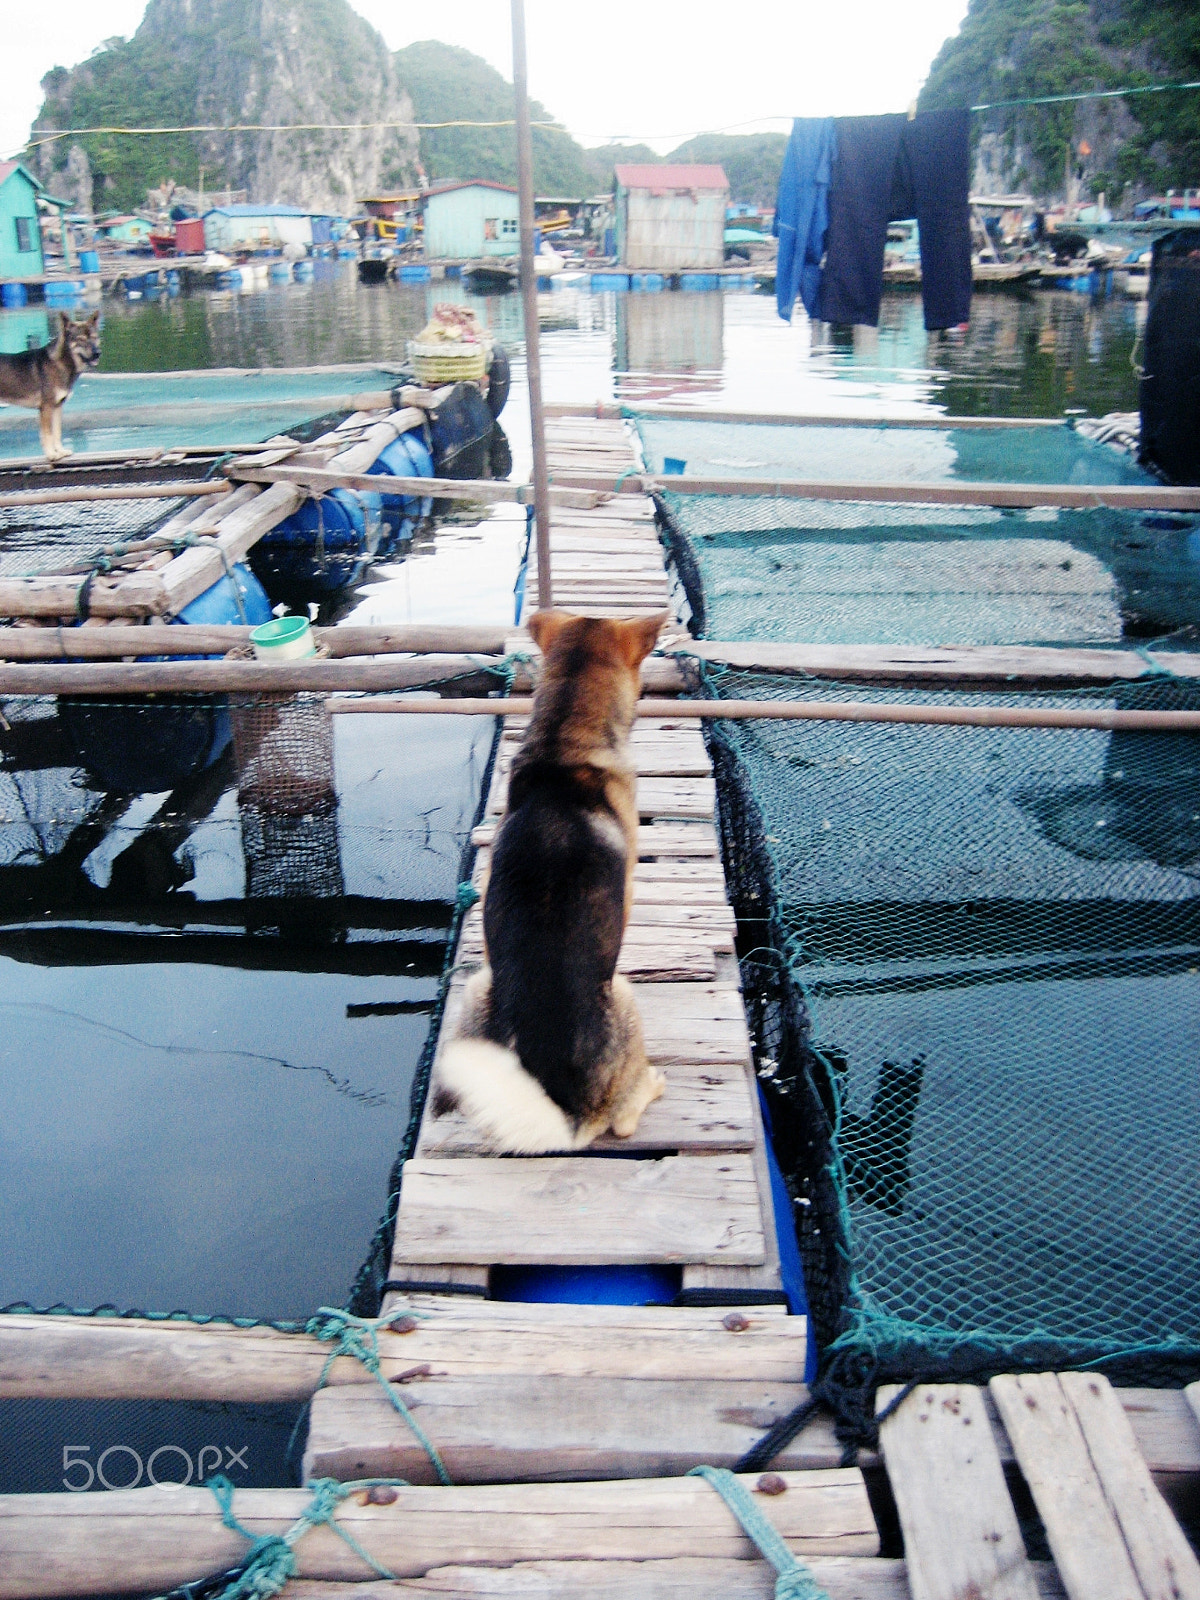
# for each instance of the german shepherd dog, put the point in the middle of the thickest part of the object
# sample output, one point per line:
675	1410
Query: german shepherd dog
42	379
549	1052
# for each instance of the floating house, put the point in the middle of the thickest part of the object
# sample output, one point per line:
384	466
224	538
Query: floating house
671	218
126	230
464	221
21	252
250	227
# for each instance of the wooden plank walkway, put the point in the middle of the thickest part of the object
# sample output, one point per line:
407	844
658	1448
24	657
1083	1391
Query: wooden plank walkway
689	1189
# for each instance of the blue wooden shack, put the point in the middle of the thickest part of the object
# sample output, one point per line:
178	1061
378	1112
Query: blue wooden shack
21	254
464	221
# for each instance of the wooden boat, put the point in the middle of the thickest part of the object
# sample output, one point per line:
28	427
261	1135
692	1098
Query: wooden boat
491	277
374	269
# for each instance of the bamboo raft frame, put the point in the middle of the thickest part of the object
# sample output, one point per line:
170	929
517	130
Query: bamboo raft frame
162	582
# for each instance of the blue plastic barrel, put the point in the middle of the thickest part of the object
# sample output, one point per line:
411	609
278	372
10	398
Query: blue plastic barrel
89	261
13	294
320	549
406	457
647	280
417	272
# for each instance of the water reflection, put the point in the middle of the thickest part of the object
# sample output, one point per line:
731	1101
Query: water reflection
1034	353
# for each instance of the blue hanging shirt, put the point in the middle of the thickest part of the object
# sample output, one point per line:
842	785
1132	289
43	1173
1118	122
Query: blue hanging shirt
802	213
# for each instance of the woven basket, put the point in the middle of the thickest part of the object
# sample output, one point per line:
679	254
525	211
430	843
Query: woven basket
448	362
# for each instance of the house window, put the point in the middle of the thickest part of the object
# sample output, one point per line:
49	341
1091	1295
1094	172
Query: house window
26	237
489	227
511	226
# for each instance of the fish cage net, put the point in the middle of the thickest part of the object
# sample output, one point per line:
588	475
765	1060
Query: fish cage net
971	960
287	796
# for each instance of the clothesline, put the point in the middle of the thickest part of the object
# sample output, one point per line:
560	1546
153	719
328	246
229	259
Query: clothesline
49	135
1086	94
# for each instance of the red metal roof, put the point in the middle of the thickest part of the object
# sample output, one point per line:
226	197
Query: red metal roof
668	176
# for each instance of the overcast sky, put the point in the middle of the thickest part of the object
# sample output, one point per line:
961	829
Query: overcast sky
653	70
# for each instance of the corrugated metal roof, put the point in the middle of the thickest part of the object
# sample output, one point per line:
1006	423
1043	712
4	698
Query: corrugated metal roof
668	176
473	183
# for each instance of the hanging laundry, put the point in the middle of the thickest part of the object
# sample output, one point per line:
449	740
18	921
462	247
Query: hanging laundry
886	169
802	214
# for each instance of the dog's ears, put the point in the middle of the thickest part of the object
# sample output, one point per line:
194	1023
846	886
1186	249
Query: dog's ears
545	626
93	321
639	634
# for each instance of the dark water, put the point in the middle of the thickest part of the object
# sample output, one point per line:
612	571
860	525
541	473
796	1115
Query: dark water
205	1066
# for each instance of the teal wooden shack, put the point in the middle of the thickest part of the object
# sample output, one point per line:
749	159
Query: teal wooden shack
464	221
20	233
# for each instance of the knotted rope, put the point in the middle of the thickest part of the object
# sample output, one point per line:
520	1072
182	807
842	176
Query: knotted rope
357	1337
795	1580
272	1559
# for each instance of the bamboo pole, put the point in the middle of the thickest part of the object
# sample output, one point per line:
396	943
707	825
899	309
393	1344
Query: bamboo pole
610	410
1127	497
113	491
522	494
115	642
533	357
1110	720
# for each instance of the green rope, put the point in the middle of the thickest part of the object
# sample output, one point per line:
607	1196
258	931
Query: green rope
795	1581
272	1560
357	1337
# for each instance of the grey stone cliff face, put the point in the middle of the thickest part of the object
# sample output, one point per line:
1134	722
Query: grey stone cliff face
280	63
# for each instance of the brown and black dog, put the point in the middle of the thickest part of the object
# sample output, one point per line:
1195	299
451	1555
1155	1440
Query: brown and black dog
42	379
549	1052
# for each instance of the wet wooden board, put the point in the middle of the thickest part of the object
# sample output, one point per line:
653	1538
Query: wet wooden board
705	1107
539	1429
1110	1532
563	1210
961	1535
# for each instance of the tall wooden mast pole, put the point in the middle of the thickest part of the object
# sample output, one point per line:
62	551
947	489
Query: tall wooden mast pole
533	356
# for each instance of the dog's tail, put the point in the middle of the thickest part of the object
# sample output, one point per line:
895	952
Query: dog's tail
507	1104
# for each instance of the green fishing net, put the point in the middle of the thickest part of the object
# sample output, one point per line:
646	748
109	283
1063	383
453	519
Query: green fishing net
971	956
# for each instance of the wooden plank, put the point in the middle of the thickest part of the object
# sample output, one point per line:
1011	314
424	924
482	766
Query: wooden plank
656	797
1141	497
685	1578
961	1535
1163	1560
464	1337
992	664
145	1540
1084	1535
706	1107
660	839
538	1429
679	759
646	952
563	1210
